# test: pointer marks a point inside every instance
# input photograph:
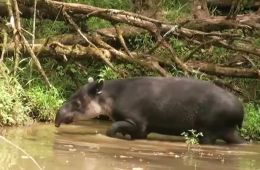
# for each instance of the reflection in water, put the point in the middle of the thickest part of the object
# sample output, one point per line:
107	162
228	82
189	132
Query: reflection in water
84	147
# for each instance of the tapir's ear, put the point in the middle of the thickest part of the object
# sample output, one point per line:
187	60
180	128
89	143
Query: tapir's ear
96	87
99	86
90	80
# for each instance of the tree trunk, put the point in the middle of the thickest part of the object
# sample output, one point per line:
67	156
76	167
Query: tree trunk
200	9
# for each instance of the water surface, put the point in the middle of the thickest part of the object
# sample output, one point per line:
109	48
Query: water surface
85	147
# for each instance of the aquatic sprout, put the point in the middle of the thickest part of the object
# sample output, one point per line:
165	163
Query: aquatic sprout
192	137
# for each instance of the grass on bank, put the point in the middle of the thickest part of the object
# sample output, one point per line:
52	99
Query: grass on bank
13	107
251	124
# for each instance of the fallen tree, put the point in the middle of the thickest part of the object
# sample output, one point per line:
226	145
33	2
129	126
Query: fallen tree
104	44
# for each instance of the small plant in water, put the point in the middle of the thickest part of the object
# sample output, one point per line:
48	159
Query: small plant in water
191	137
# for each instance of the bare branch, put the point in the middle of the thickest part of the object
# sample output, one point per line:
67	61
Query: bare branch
104	56
122	41
225	71
19	35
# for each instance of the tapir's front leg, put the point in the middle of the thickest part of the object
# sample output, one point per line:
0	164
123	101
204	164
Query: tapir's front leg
126	127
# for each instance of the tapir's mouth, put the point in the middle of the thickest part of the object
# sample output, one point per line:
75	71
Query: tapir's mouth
57	124
67	120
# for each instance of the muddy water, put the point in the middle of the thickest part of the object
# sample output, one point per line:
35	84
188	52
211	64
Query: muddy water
84	147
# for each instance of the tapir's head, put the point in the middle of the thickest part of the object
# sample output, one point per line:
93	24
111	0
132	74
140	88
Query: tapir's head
84	104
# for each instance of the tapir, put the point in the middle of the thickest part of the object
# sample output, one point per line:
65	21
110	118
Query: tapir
142	105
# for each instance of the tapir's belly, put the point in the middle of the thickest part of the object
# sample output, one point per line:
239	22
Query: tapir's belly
170	125
173	118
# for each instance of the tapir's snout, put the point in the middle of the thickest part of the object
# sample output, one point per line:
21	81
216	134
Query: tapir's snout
57	124
63	116
57	119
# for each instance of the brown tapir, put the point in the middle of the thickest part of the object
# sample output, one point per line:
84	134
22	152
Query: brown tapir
139	106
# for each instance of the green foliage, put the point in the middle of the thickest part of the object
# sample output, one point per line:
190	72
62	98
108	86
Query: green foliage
135	70
175	9
215	55
106	73
44	102
95	23
40	101
214	11
192	137
45	28
141	42
175	72
251	128
13	109
257	42
179	46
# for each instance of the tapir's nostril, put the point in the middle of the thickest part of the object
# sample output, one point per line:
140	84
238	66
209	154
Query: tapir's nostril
57	124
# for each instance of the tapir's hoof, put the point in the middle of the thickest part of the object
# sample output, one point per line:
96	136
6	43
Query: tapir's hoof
110	133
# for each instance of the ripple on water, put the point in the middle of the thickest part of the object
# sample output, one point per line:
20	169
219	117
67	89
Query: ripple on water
84	146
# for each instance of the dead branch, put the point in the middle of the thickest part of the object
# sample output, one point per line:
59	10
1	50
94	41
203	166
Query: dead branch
176	60
26	8
78	52
70	20
216	40
156	28
102	55
112	15
119	16
17	30
122	41
218	23
239	47
4	34
198	48
206	23
149	63
16	26
225	71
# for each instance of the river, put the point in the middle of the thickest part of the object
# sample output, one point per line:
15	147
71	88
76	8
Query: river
83	146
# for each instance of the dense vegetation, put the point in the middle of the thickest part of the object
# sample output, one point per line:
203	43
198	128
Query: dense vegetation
25	96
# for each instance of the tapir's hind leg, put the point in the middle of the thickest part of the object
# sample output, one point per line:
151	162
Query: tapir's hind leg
231	136
126	127
207	138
